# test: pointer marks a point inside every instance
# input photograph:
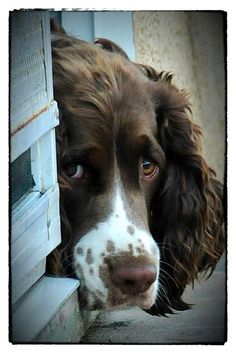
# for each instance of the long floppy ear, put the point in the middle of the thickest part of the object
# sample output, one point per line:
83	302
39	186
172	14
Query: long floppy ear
187	209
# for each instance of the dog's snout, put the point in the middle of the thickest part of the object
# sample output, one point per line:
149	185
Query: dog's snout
133	279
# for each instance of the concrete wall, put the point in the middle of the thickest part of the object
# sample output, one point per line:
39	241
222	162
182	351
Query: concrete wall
190	44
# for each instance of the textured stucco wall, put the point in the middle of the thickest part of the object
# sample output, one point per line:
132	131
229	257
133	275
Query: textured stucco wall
190	44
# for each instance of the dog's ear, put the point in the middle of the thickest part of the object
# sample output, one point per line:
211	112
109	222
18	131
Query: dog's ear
110	46
56	27
187	208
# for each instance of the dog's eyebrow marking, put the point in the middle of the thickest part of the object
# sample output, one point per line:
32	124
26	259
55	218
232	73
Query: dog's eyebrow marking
117	216
130	229
89	257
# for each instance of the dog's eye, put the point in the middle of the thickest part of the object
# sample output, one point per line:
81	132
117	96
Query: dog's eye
76	171
149	168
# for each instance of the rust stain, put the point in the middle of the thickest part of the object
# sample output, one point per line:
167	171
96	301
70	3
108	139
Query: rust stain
35	115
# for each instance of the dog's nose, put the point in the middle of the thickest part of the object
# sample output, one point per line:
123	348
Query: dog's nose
133	279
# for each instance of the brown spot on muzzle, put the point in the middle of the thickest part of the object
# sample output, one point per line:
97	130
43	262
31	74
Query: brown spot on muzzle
131	248
110	246
80	251
130	229
89	257
91	271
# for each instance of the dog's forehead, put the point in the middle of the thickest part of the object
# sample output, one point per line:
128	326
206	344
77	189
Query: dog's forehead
108	134
105	93
110	100
128	111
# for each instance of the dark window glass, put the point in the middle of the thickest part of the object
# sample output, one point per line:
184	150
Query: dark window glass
21	179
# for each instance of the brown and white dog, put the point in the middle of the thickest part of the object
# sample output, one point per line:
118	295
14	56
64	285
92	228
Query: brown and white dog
141	210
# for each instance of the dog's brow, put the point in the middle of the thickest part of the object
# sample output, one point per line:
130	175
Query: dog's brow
147	143
144	141
148	146
84	150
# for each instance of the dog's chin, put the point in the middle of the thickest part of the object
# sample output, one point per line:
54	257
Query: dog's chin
121	304
115	300
144	300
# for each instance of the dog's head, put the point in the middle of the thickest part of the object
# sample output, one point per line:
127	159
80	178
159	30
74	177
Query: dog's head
141	210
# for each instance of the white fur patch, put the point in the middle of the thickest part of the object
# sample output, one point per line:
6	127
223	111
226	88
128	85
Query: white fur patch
111	237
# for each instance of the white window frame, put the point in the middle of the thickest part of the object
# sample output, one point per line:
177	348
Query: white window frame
35	220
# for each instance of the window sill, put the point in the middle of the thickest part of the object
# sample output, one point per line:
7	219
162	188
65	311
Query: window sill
40	306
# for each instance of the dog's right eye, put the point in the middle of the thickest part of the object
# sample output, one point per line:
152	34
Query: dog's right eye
76	171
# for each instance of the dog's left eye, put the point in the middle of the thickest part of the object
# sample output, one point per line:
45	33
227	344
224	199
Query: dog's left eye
149	168
76	171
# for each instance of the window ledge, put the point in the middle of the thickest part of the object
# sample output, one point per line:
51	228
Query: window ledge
39	307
